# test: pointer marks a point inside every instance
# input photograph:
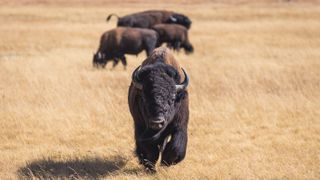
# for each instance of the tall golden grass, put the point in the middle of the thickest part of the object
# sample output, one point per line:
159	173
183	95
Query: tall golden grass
254	93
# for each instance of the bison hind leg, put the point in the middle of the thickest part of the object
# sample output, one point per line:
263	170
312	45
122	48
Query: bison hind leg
115	62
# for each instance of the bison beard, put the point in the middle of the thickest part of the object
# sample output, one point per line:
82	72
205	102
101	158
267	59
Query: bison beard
156	92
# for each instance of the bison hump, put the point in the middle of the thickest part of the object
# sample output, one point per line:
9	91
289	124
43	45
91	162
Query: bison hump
164	55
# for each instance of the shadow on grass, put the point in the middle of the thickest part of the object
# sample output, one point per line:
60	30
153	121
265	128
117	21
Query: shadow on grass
70	169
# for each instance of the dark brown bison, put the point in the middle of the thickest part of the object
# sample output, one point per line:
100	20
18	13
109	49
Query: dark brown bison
147	19
114	44
176	36
158	102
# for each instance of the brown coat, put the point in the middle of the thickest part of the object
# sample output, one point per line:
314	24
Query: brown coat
176	36
147	19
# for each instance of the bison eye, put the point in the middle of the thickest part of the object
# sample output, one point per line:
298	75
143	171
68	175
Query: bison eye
180	95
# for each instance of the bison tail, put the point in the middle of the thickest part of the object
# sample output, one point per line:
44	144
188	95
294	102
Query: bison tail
110	15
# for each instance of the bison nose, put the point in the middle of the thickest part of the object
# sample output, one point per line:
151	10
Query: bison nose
157	123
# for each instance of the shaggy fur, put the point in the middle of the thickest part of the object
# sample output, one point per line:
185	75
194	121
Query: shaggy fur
159	74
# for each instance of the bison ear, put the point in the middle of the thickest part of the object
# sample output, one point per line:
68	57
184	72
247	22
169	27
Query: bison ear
136	78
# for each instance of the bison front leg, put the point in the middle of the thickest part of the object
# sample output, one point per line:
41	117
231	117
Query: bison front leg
175	150
177	46
103	65
115	62
147	152
124	62
148	155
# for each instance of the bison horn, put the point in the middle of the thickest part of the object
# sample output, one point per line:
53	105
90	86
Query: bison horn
173	19
99	55
135	80
185	83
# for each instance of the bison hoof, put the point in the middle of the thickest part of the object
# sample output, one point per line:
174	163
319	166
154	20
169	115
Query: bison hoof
171	158
149	166
151	170
165	163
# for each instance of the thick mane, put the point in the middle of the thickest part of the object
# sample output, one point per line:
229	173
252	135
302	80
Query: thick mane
162	67
163	55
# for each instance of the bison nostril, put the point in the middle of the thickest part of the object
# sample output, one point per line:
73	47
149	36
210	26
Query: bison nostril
158	120
157	123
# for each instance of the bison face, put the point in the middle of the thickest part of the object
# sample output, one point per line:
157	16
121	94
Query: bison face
188	48
161	93
180	19
99	60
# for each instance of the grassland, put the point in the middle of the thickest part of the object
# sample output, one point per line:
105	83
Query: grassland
254	92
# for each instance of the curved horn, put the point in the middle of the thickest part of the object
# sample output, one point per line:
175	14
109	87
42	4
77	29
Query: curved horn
173	19
185	83
135	80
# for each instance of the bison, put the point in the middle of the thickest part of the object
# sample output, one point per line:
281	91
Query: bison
147	19
176	36
158	102
114	44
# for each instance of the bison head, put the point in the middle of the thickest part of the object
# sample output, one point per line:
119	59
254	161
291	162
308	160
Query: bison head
99	60
188	48
161	93
180	19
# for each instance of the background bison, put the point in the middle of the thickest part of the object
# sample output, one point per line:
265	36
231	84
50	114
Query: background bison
114	44
176	36
147	19
158	102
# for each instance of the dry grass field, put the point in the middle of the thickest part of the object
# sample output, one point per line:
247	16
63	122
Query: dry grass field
254	92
